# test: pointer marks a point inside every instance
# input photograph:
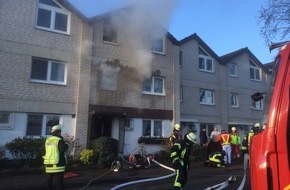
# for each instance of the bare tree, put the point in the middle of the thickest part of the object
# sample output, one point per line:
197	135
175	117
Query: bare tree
274	19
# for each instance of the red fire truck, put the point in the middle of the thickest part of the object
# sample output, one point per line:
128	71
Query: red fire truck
270	149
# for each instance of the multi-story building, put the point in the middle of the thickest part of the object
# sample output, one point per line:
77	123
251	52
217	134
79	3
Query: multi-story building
98	77
60	67
216	91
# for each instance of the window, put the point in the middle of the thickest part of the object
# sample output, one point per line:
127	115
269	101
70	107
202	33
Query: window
205	62
234	100
129	125
254	72
48	71
155	86
40	125
233	69
181	94
109	32
52	17
180	58
256	105
158	46
109	77
206	96
6	120
151	128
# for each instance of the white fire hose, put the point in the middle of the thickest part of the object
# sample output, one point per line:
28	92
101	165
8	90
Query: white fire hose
149	179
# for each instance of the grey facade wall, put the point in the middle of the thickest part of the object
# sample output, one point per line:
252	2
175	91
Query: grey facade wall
20	41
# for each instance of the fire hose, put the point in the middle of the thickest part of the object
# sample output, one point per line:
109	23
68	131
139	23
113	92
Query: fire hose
149	179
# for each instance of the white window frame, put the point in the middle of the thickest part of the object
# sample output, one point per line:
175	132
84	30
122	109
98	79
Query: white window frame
152	86
45	130
205	58
234	100
157	43
9	123
152	128
256	70
209	98
234	66
257	105
54	10
48	74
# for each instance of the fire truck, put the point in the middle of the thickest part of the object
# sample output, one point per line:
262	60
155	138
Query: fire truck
269	150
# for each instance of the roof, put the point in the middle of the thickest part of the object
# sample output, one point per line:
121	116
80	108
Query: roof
230	56
70	7
202	44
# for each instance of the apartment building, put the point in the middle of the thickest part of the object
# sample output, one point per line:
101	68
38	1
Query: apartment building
61	67
216	91
101	77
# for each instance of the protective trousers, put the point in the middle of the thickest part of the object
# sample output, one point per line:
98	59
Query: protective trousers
180	178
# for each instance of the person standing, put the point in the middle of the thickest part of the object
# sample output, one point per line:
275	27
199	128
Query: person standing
225	140
55	158
214	144
176	134
235	143
203	143
179	157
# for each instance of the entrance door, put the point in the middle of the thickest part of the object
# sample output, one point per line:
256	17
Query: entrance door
101	126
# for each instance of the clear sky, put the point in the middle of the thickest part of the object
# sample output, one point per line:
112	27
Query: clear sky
224	25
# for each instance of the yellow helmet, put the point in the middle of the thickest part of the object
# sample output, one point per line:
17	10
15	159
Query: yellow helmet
177	127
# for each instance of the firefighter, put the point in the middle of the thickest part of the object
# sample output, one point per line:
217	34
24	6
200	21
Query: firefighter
217	159
246	142
176	134
225	140
235	143
179	157
55	158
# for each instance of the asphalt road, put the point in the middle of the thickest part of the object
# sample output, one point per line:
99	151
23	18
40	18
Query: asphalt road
199	178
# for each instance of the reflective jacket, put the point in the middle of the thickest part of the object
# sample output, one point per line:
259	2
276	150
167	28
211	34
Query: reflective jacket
246	141
55	157
235	139
225	139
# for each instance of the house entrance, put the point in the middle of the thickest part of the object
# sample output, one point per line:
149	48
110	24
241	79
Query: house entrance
100	126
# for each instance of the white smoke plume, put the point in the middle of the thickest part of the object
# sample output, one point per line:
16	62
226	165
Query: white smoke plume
138	26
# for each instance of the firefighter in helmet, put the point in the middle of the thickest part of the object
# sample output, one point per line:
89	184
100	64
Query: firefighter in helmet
55	158
180	152
176	134
235	143
217	159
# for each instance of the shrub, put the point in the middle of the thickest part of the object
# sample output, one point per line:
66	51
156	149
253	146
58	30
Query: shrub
26	149
74	147
105	151
86	156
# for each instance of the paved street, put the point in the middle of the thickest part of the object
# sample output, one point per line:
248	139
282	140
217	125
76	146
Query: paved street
199	178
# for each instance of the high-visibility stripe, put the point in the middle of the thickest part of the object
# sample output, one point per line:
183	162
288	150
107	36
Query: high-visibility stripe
225	141
176	183
55	169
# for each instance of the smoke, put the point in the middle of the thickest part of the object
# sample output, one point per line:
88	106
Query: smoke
138	26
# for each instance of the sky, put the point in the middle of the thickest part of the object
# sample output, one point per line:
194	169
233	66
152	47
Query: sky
224	25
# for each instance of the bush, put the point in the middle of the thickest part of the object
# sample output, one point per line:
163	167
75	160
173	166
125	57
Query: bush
27	149
86	156
105	151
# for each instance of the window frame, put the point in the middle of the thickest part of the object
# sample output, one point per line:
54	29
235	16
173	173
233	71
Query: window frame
181	93
152	123
48	79
236	100
235	70
152	86
255	69
53	10
206	91
156	44
257	105
9	124
43	128
203	55
113	35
